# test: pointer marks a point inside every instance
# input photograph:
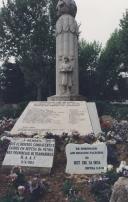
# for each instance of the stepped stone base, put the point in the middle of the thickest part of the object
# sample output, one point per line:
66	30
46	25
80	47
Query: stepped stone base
66	98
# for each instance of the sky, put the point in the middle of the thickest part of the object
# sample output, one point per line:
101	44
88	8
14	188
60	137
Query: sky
99	18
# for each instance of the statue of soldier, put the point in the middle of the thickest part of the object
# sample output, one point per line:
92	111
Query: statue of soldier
66	70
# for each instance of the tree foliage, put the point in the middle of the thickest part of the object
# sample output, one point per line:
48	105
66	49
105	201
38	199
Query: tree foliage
101	70
11	83
113	62
109	66
88	62
124	40
27	33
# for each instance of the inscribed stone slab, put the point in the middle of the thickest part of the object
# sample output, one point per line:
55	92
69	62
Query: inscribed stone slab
54	116
86	158
30	152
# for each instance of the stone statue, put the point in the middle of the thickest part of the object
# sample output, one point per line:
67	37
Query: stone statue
67	32
67	47
66	7
66	76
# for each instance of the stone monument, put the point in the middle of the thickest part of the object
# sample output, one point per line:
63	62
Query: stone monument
67	31
63	112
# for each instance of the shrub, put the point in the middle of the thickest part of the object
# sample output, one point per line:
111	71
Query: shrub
101	191
102	187
6	124
9	111
71	192
112	157
118	111
67	186
21	190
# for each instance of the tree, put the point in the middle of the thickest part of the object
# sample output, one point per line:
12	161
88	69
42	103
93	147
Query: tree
109	66
114	61
124	40
11	83
88	62
27	33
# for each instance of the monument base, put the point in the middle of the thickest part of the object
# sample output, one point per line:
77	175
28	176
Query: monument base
67	98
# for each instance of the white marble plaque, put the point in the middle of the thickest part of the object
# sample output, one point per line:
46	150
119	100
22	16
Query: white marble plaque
30	152
86	158
54	116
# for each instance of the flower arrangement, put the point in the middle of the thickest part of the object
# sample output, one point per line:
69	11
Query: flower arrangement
123	169
20	189
105	181
6	124
71	193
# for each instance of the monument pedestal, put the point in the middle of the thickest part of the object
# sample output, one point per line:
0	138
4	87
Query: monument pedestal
58	117
66	98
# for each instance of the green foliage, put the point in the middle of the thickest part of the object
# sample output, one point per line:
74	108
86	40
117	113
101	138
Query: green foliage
113	61
67	186
104	193
11	83
124	40
78	200
19	189
11	195
88	63
20	180
70	191
101	69
109	66
27	33
12	199
12	112
113	177
89	54
101	191
117	111
22	23
7	112
6	199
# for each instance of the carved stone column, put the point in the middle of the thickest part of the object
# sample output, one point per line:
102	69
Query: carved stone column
67	47
67	74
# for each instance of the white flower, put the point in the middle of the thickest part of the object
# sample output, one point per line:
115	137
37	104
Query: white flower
122	164
118	170
6	138
21	190
13	176
110	167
